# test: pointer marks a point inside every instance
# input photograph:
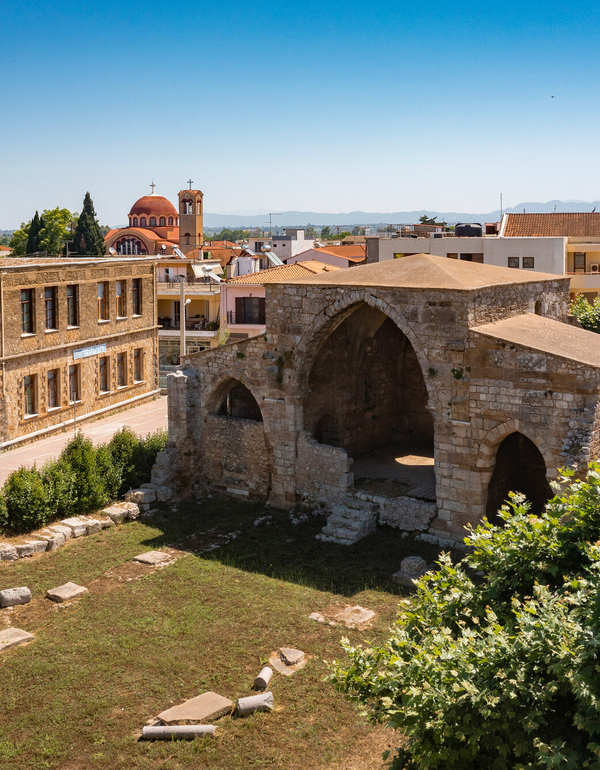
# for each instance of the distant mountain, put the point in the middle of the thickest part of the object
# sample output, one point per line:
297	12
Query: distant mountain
351	218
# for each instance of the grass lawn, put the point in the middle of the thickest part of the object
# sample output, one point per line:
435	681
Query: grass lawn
98	669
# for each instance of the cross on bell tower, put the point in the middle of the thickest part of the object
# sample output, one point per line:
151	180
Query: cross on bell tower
190	182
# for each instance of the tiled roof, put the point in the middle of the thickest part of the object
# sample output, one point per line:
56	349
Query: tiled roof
546	335
355	252
426	271
285	273
576	225
208	245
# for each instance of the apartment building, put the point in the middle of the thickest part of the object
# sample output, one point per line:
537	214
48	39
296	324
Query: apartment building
78	338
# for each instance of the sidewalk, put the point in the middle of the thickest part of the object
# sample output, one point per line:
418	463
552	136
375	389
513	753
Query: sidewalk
142	419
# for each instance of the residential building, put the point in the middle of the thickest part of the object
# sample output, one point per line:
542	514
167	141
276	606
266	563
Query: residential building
78	338
291	243
201	295
563	244
344	255
243	309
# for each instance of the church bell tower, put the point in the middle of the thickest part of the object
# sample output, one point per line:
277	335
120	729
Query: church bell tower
191	215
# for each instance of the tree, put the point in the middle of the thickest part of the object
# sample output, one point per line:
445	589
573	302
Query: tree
587	314
494	665
88	240
52	234
33	234
425	220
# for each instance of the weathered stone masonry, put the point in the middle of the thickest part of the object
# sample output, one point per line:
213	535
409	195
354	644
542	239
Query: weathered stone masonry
468	353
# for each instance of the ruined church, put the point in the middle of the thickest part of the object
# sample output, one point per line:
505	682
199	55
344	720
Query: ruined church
415	393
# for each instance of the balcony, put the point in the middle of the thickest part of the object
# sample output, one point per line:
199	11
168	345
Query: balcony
584	281
249	319
192	326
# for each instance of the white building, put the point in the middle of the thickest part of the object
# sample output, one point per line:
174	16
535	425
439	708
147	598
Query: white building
565	244
292	243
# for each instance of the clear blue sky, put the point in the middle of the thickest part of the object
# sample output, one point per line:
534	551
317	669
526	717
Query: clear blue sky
323	106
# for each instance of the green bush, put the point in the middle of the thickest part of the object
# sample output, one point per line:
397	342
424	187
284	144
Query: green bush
61	485
498	671
81	455
588	314
3	513
135	456
27	500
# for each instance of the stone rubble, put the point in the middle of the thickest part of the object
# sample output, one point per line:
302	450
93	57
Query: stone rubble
10	597
11	637
153	558
65	592
287	660
202	708
176	733
411	569
254	703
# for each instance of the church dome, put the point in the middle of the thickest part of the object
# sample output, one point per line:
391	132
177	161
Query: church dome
153	206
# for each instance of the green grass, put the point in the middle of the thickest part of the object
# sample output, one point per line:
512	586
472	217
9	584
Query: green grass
78	696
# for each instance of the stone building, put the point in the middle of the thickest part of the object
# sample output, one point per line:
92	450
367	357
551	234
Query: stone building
416	392
78	338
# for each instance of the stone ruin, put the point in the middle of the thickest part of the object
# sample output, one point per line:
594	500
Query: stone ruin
415	393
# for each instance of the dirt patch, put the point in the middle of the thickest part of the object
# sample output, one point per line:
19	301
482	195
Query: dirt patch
368	753
384	487
209	540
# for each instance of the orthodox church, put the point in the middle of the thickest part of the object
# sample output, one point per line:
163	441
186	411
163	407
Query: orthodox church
157	228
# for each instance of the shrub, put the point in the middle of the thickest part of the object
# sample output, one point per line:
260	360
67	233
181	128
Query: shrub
136	456
588	314
61	485
498	671
27	500
81	456
3	513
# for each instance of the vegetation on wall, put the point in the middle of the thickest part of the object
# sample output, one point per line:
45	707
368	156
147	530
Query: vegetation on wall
588	314
495	662
84	478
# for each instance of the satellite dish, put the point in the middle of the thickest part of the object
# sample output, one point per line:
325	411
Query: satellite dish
112	251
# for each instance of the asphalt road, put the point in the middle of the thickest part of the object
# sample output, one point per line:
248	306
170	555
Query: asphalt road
142	419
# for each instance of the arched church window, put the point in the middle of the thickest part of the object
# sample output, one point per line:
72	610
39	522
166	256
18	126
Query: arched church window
162	222
170	221
135	221
143	221
187	206
152	221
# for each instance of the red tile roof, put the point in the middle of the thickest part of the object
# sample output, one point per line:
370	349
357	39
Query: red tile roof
355	252
285	273
576	225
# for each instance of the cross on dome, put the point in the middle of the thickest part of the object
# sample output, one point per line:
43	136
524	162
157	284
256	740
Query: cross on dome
153	186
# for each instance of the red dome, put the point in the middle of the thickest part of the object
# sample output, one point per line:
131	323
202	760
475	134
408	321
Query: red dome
153	206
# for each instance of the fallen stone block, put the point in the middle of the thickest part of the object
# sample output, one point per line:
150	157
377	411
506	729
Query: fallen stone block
133	511
202	708
411	569
39	546
106	523
350	616
141	496
54	540
176	733
153	557
117	513
254	703
13	596
77	526
263	679
8	552
66	592
287	660
60	529
93	526
24	550
10	637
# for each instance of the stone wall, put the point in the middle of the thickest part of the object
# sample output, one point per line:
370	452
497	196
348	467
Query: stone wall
322	472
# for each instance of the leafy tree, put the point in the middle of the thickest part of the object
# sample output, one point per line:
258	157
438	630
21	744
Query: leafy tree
53	232
425	220
33	234
494	666
88	240
587	314
230	235
18	242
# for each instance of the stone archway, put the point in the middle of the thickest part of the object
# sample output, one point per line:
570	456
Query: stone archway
365	393
519	467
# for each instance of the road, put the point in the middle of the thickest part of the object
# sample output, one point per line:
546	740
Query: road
142	419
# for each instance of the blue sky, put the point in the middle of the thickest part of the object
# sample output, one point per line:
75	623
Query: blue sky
322	106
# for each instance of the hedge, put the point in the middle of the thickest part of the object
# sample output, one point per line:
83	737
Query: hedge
84	478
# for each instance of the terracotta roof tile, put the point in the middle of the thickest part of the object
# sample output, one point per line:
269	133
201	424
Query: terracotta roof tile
559	225
285	273
354	251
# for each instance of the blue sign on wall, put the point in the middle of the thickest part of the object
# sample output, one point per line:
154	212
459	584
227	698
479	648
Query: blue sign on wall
93	351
